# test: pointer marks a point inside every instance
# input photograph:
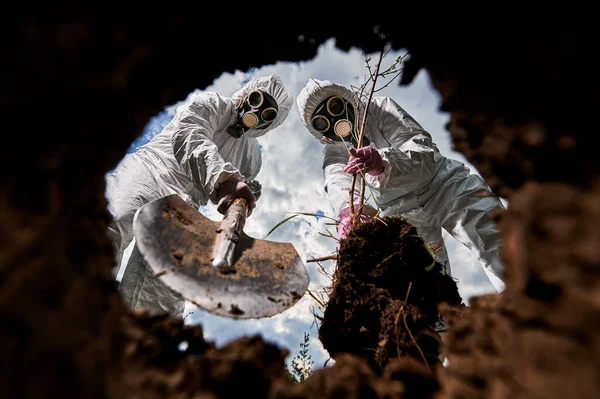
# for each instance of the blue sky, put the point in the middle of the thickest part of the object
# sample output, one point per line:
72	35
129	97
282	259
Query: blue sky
292	179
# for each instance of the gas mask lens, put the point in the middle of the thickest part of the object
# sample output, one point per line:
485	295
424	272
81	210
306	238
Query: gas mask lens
342	128
255	99
268	114
336	106
249	119
320	123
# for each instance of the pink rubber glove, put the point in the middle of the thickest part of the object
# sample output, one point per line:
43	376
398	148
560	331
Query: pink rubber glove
344	225
365	158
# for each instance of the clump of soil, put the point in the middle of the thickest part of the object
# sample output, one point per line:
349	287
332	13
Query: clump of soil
164	358
385	296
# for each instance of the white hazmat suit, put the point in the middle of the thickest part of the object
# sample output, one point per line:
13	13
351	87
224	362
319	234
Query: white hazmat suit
190	157
429	190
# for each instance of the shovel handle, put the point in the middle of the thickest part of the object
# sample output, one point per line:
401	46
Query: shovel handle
235	217
229	233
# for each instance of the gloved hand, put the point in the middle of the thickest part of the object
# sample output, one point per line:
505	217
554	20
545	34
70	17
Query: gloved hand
256	188
231	189
367	158
344	225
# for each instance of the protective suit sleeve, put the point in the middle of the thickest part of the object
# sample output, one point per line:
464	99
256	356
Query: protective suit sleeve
338	182
193	146
411	154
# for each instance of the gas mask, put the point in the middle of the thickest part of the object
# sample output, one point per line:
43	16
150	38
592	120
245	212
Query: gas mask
257	110
334	118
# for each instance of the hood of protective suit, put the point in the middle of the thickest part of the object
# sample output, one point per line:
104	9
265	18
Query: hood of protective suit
273	85
314	93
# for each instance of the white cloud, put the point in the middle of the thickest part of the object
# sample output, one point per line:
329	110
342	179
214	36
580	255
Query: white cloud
292	178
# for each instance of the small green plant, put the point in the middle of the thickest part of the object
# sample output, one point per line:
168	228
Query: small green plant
302	363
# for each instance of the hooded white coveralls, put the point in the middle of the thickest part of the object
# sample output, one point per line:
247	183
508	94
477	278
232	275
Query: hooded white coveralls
192	155
429	190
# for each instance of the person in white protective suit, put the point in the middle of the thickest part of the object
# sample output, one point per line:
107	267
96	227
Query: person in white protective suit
405	171
209	151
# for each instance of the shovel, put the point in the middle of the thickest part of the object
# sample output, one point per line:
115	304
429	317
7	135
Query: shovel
215	265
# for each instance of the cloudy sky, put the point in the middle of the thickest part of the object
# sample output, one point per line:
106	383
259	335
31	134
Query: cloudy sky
292	178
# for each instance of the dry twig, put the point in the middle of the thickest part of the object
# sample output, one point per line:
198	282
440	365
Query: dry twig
328	257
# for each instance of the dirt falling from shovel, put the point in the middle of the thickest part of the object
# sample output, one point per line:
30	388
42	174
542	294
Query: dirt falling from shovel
384	299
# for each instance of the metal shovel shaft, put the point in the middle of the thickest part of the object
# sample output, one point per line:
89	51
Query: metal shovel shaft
229	234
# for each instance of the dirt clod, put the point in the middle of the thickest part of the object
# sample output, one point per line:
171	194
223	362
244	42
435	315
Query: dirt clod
383	303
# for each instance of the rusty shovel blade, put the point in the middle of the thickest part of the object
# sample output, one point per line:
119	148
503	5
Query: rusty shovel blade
177	242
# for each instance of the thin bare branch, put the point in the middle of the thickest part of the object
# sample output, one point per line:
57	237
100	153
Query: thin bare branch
362	128
389	48
364	120
315	317
324	272
410	333
388	83
386	259
380	219
329	257
317	300
371	76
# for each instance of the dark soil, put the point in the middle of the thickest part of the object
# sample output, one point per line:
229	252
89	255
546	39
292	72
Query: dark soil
384	300
166	359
